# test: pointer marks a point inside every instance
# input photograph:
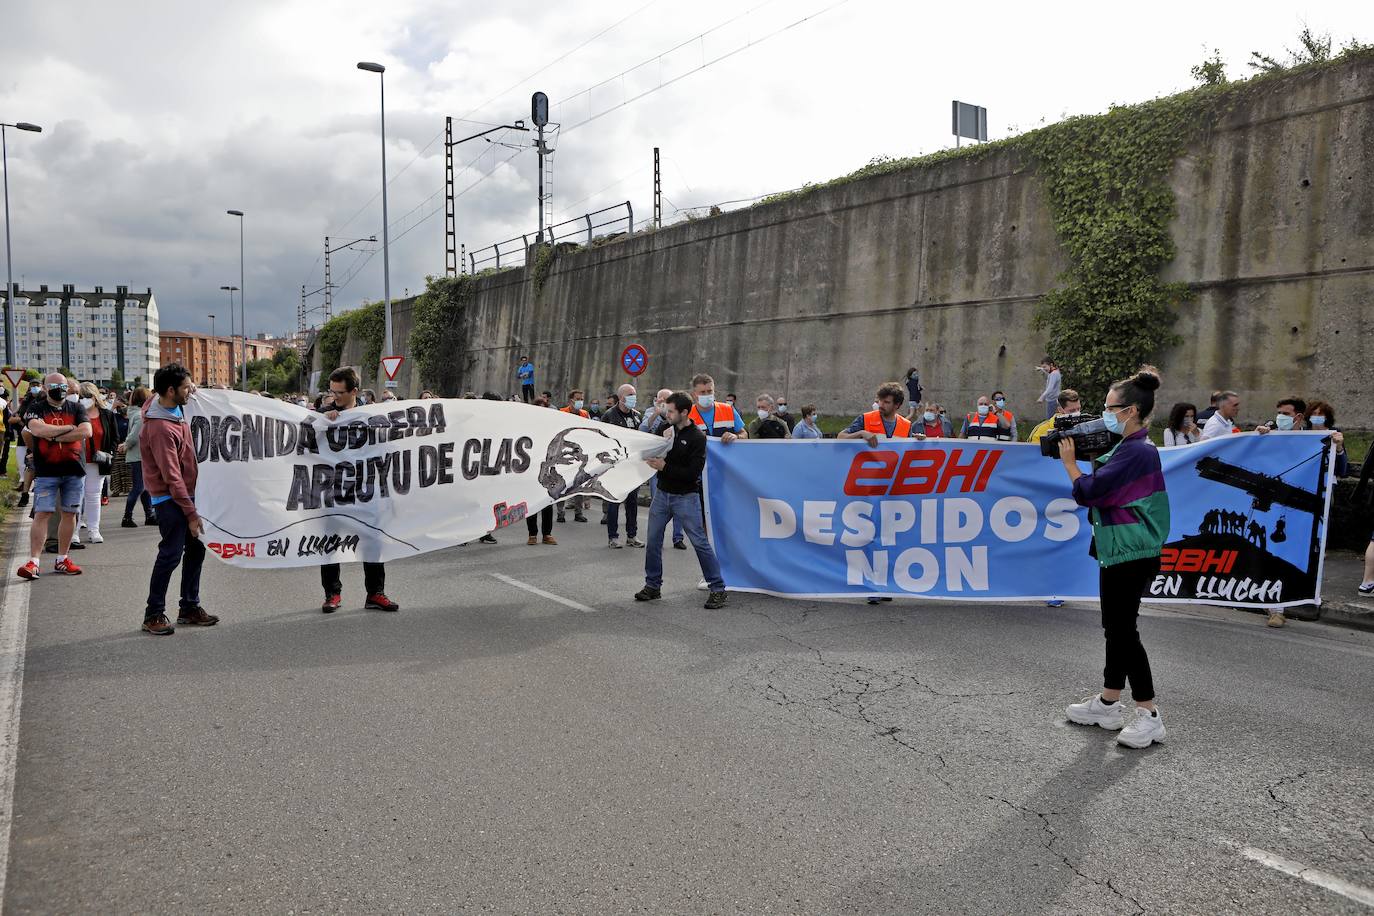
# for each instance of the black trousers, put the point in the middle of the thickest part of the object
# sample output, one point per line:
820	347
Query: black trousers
374	578
527	392
1121	587
545	522
177	548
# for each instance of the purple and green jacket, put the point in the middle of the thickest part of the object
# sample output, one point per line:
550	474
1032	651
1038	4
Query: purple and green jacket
1126	502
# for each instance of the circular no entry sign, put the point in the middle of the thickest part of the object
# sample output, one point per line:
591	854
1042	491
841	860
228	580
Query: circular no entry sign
634	359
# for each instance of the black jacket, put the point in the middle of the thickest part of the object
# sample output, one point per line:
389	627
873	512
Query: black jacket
625	420
685	461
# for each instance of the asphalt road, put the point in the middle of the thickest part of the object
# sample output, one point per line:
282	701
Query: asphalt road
489	749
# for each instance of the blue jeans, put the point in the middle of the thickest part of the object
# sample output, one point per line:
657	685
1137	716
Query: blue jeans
677	522
176	543
686	508
631	516
136	492
54	494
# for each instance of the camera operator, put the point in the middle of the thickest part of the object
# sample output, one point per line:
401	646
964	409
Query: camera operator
1129	509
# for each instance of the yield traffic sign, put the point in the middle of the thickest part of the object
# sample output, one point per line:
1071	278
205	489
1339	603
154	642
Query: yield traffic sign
391	365
14	377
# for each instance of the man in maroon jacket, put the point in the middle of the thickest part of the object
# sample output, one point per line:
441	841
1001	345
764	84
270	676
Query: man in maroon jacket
169	474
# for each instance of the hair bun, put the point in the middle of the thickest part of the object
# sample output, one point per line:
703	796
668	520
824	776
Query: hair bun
1147	378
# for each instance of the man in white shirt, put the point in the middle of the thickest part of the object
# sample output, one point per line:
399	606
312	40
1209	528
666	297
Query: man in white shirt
1223	422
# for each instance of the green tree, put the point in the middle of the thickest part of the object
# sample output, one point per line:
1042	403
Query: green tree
117	379
1212	71
1311	49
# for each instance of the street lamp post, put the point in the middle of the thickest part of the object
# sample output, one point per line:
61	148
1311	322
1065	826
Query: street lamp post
231	290
243	320
213	351
9	269
386	233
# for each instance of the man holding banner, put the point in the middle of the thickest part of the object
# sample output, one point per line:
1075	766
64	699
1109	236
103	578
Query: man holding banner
678	496
883	422
343	388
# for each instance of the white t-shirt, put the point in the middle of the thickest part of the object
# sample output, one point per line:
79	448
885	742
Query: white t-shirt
1217	426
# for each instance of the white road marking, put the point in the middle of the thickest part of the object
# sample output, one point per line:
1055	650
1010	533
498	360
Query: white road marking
566	602
1322	879
14	630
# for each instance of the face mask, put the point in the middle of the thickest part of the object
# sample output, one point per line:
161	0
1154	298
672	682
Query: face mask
1283	421
73	398
983	410
1001	402
929	417
810	420
763	414
631	400
87	402
57	392
782	408
1318	420
577	405
706	400
875	405
1111	421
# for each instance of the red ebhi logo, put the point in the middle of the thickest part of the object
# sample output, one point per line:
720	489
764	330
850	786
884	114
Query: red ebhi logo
919	471
227	551
509	515
1199	561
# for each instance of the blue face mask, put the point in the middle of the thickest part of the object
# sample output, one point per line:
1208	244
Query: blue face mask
1318	420
1001	402
1112	421
577	405
929	417
1283	421
706	400
631	400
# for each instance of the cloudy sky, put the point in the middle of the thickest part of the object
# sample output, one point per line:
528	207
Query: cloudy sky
159	115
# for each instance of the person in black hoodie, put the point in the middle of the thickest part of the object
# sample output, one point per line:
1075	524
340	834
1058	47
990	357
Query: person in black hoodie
678	496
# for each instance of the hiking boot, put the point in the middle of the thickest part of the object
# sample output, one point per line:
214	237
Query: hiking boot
331	604
715	601
534	539
634	542
380	602
195	617
67	568
648	594
29	570
158	626
550	540
128	523
486	539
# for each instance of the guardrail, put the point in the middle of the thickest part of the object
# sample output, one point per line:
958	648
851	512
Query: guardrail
505	254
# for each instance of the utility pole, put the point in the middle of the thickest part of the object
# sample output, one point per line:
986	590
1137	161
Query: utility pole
450	225
539	114
658	195
328	286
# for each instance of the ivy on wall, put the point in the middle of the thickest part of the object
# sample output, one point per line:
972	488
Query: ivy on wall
366	323
439	333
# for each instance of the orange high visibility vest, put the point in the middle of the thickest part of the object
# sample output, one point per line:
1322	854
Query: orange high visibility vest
985	427
873	423
581	413
723	419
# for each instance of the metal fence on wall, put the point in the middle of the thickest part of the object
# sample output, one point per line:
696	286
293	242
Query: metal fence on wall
583	229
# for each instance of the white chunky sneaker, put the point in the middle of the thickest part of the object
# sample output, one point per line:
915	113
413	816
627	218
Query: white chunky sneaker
1093	711
702	586
1144	730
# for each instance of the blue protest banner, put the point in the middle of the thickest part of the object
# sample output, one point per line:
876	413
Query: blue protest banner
985	521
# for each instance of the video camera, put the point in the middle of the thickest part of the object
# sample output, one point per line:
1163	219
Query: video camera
1091	439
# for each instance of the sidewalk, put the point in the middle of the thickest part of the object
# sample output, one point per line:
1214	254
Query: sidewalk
1341	604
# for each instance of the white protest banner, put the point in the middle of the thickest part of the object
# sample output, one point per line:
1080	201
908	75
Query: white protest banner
283	486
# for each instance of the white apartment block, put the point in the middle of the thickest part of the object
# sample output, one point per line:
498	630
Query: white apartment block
92	333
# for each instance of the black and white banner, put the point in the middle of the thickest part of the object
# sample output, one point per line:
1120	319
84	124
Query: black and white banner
283	486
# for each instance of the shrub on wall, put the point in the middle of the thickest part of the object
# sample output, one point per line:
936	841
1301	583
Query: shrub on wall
439	334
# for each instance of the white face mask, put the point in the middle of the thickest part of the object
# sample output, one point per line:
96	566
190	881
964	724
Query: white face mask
763	414
630	401
983	410
87	402
875	405
74	398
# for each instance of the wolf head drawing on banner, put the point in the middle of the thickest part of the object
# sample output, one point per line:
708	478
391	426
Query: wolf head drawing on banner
575	461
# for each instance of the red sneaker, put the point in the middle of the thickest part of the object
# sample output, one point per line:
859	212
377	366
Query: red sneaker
29	570
68	568
380	602
331	604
